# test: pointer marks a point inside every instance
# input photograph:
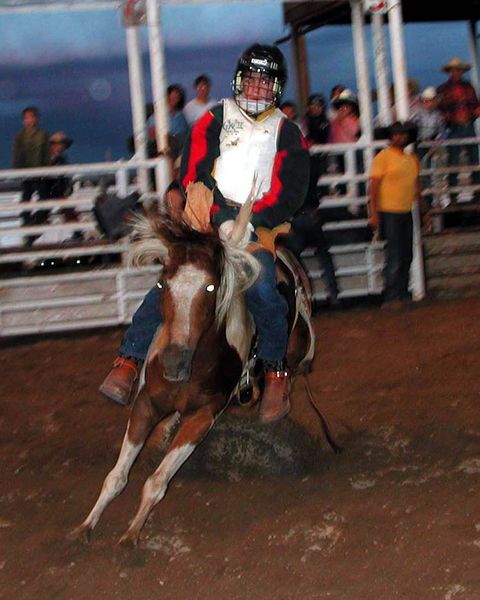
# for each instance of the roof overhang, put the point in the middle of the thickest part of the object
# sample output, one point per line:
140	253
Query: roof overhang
306	16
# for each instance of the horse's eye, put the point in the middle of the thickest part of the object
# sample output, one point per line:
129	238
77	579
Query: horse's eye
160	285
210	288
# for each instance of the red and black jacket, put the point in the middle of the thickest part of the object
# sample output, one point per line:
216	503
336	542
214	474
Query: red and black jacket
290	174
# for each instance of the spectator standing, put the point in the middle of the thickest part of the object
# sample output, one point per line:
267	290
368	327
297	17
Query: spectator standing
315	123
334	94
177	124
61	186
58	187
345	127
30	150
459	105
394	187
430	126
427	117
178	127
202	102
307	224
316	128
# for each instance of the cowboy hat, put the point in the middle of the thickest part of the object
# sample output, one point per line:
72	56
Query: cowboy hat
345	97
403	127
455	63
60	137
429	93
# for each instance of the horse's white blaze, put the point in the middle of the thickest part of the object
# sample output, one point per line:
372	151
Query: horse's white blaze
115	481
184	286
156	485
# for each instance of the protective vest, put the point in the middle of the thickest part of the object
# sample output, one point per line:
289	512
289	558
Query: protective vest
247	147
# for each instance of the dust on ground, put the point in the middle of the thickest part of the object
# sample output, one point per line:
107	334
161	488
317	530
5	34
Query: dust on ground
396	515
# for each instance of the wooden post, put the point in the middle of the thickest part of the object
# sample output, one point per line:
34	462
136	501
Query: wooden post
301	71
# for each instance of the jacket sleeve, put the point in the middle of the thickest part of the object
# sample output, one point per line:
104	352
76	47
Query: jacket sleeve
201	150
290	178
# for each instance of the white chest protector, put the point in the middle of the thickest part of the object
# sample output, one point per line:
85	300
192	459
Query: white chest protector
247	147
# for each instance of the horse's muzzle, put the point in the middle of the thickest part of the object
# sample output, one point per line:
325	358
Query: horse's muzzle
177	363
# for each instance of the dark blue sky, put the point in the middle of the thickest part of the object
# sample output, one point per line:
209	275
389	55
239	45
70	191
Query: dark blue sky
63	92
74	67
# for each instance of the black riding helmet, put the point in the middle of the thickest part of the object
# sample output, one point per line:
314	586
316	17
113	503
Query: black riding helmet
262	59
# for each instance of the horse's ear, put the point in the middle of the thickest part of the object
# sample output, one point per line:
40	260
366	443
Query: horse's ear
150	245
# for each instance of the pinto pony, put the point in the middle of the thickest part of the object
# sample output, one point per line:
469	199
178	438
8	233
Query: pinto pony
196	359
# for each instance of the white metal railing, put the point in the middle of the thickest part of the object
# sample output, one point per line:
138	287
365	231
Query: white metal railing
108	295
81	200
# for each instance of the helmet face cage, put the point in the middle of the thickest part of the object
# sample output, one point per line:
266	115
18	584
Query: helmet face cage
267	61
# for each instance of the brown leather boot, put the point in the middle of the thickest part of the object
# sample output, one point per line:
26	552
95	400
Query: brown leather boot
118	384
275	401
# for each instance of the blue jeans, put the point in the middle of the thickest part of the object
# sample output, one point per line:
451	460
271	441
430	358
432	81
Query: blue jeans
397	230
145	322
267	306
269	310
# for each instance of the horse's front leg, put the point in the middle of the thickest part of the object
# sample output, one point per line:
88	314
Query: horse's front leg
141	422
192	429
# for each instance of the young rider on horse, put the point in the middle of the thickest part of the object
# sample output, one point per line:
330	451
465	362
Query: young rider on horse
237	143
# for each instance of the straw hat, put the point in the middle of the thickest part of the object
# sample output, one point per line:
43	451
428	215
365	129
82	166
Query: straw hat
455	63
60	137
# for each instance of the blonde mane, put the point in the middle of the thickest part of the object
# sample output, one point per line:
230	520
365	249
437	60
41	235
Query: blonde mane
238	268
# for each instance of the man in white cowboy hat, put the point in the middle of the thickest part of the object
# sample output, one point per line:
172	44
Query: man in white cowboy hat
427	117
459	105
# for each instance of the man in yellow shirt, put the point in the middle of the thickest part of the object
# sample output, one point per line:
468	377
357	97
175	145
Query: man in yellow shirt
393	188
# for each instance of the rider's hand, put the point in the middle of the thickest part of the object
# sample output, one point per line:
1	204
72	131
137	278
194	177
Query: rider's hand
225	229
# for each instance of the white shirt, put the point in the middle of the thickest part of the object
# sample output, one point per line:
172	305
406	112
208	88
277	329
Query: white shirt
247	150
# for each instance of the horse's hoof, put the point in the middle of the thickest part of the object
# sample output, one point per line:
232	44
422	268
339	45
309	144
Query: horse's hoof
81	534
128	541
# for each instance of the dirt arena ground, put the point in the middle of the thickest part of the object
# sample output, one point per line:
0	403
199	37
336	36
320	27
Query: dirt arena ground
396	515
